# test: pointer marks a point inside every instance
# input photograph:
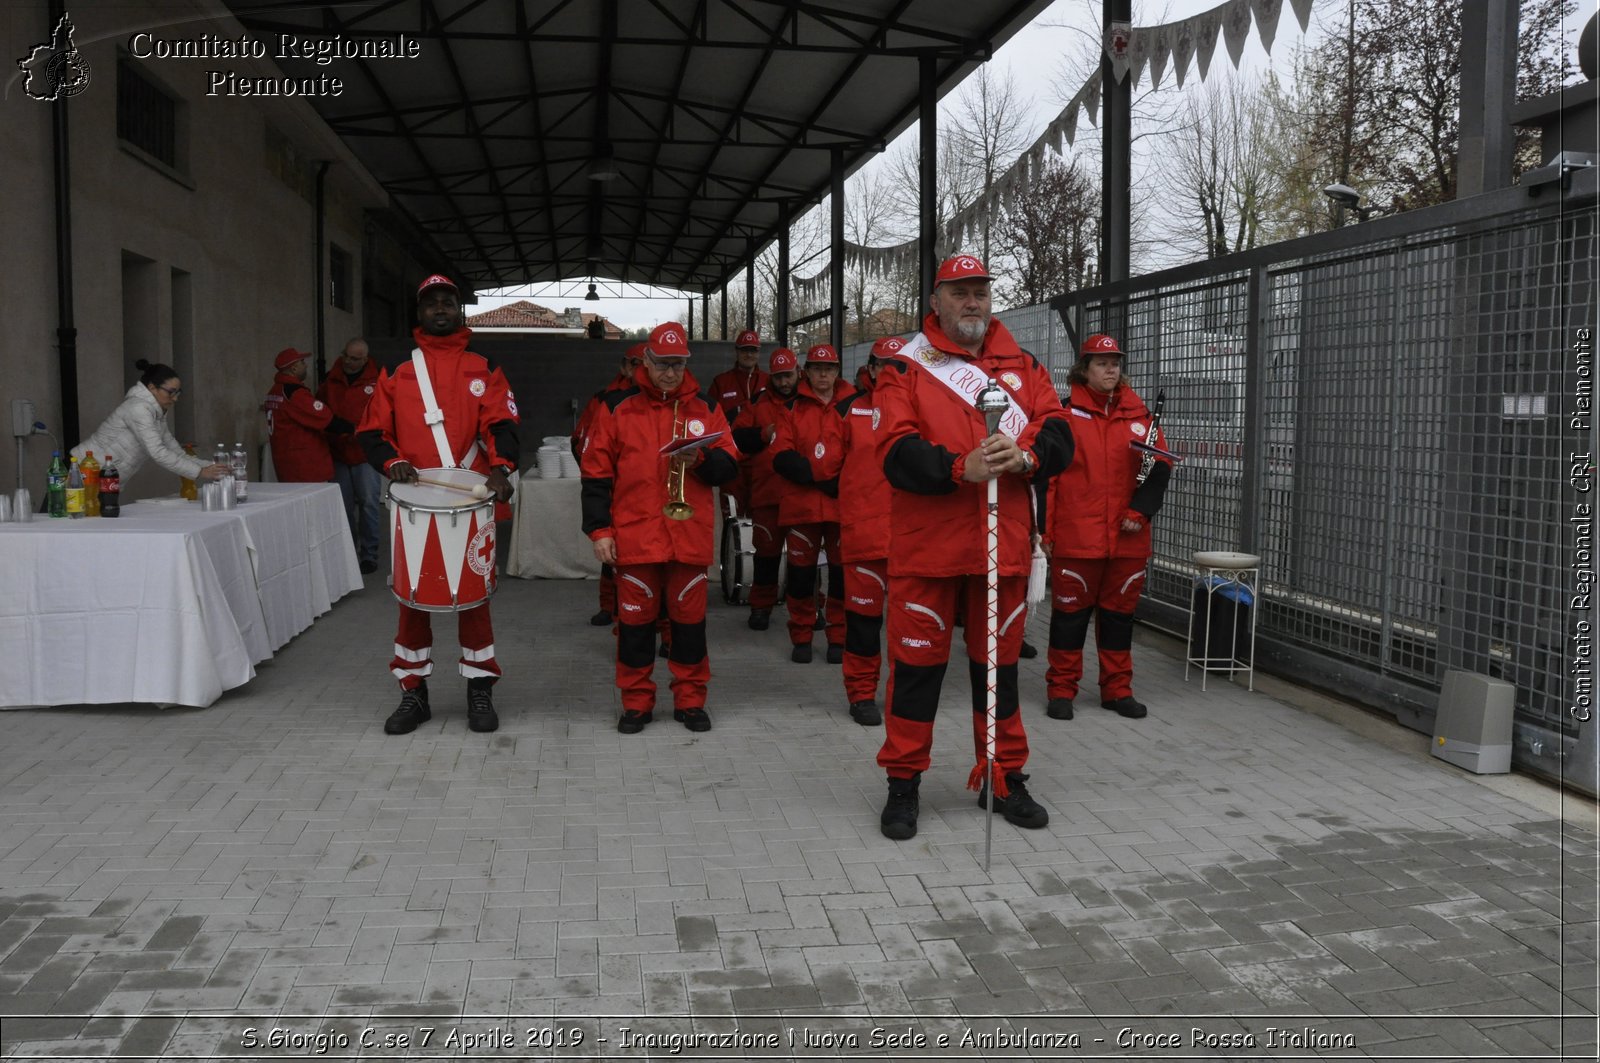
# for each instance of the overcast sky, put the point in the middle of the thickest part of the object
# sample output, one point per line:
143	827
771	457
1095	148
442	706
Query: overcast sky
1034	58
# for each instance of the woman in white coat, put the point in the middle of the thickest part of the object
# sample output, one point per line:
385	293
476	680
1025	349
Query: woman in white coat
137	432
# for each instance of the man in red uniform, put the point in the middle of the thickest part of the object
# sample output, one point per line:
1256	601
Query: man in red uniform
628	483
863	536
809	504
622	381
346	391
446	407
735	390
938	459
1099	531
298	423
753	433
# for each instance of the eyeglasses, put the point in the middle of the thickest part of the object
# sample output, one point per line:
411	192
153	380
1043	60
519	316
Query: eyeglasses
174	392
673	365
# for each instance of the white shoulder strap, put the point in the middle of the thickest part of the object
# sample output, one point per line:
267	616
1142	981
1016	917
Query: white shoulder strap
432	415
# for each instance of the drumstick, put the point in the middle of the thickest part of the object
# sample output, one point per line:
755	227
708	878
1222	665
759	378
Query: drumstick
476	490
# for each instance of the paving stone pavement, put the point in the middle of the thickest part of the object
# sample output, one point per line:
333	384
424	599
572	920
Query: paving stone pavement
273	875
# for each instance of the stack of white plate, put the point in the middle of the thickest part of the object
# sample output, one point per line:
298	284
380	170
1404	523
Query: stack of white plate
570	469
550	462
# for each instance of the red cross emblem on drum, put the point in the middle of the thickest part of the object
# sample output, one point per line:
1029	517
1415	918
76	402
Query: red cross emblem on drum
480	554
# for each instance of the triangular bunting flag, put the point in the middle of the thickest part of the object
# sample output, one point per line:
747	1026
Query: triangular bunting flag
1236	29
1071	129
1207	26
1116	48
1138	54
1302	11
1182	48
1091	101
1267	12
1160	52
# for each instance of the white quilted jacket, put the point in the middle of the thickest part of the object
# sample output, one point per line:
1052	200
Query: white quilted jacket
136	432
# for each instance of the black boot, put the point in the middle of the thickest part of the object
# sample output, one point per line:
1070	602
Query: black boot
413	710
1028	652
696	719
600	619
1017	806
1059	709
480	705
866	713
835	653
899	818
1127	707
801	654
760	619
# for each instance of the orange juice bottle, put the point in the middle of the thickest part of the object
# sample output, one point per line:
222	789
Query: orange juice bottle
188	489
91	484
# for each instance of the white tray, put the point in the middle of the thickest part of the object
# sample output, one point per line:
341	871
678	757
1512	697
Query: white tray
1225	559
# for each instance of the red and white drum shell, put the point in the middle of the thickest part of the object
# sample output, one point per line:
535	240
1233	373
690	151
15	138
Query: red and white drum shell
442	542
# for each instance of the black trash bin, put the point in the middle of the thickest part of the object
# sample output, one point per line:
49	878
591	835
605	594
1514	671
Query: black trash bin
1220	639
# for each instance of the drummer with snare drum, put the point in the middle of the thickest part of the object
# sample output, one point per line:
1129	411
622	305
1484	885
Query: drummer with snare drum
446	408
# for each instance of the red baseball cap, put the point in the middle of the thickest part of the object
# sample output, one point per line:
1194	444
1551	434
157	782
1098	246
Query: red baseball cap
961	268
783	361
822	354
635	353
668	341
747	338
437	280
288	356
1099	343
886	346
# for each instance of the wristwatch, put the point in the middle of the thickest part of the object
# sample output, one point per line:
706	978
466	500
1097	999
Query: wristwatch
1029	463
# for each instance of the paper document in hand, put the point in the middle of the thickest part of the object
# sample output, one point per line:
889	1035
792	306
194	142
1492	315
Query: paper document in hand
689	446
1146	448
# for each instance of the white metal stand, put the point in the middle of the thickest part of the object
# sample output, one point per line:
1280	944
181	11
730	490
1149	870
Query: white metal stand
1238	576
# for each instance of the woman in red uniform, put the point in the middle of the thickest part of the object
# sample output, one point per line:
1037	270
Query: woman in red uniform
1099	531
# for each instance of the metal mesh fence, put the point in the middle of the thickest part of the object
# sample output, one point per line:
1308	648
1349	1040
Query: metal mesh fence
1405	441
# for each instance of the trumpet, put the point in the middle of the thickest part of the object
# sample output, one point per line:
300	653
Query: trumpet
677	508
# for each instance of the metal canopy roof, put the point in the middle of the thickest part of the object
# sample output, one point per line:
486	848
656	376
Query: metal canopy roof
702	117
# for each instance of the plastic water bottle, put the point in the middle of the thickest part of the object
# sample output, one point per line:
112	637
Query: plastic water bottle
222	456
186	486
75	507
56	492
91	484
241	472
110	489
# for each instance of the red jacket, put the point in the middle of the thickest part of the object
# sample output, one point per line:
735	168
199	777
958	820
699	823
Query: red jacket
803	459
863	492
753	433
592	407
625	474
1089	500
348	398
937	521
735	389
472	394
296	425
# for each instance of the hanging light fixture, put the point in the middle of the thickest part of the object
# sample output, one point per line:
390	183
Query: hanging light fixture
593	296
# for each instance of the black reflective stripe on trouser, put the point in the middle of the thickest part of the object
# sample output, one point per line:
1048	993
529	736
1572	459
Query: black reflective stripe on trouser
802	581
1005	688
916	691
636	644
766	571
1113	631
1069	630
688	642
861	634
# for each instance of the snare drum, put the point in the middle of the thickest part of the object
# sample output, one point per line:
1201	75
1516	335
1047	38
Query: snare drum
738	559
442	556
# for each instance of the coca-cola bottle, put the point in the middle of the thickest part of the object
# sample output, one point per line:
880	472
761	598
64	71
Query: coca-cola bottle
110	489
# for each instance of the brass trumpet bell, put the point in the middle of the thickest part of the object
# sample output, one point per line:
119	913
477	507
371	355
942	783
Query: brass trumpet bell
677	507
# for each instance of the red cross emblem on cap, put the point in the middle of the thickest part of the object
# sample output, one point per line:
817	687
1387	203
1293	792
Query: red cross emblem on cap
961	267
1100	343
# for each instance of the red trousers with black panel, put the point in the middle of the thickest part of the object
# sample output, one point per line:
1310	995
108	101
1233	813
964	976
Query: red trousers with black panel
921	622
865	589
1108	589
806	543
413	646
642	590
768	538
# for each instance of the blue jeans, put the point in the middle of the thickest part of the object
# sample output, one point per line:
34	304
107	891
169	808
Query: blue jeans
363	502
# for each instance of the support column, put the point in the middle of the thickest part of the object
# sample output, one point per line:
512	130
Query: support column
705	314
1116	191
836	262
750	285
1488	89
782	308
927	187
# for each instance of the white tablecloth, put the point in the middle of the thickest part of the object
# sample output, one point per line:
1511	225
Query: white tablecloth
547	540
166	604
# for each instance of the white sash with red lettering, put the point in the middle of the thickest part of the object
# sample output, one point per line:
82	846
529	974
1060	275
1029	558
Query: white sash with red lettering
964	379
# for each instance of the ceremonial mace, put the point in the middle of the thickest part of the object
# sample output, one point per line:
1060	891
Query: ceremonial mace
992	403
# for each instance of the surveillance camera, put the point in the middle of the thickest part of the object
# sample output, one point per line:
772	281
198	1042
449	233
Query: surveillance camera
1342	195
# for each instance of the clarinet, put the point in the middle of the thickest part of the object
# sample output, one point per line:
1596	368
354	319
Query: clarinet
1148	461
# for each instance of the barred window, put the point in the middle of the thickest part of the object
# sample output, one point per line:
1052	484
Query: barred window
147	117
339	277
